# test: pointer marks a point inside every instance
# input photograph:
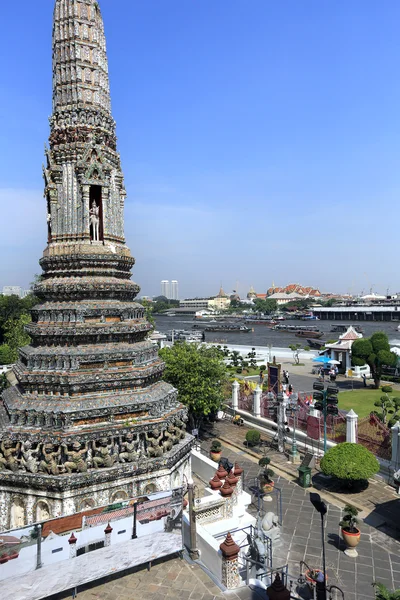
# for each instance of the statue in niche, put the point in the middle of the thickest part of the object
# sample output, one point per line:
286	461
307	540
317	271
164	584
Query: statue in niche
42	512
76	458
180	429
104	455
17	513
94	213
170	438
153	439
9	452
129	447
29	460
50	460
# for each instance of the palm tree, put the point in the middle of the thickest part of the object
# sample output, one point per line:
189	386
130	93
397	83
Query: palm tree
382	592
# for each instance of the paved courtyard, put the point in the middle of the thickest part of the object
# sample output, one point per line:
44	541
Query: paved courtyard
378	555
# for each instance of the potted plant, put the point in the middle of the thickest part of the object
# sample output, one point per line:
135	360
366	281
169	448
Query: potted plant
313	576
383	593
350	533
215	451
267	483
252	437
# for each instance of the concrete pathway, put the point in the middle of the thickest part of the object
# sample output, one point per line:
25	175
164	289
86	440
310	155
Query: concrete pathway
379	555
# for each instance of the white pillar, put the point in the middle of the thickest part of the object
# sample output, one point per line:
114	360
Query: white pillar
235	395
351	427
257	402
396	445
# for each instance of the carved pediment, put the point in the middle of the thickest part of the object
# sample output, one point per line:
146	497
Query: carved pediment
94	167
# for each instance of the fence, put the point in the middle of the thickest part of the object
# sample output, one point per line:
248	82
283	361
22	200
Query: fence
375	436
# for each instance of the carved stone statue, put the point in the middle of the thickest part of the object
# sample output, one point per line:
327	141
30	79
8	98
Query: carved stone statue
10	451
103	456
169	438
76	458
153	439
29	459
180	429
3	462
51	457
94	213
129	448
270	526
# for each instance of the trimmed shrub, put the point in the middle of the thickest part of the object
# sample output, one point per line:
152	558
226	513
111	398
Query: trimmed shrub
350	463
253	437
263	367
216	446
387	389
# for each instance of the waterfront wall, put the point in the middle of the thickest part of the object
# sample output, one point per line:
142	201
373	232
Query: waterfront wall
265	354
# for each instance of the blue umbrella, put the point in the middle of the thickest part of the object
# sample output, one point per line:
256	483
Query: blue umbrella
322	359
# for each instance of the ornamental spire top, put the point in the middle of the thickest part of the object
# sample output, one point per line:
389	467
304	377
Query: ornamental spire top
80	68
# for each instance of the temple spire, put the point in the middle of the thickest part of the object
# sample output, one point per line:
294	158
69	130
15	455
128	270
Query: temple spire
80	67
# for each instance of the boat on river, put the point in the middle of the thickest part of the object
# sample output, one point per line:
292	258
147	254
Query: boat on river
309	334
294	328
315	344
344	328
228	327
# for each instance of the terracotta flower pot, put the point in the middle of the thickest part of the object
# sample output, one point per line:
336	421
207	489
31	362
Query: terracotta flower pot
351	539
268	487
310	579
215	456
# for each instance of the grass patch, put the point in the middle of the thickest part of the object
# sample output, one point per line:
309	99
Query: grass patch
361	401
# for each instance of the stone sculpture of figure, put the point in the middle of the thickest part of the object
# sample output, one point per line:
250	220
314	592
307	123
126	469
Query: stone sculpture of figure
10	451
103	456
170	438
3	462
94	213
270	526
50	460
76	458
180	429
129	447
29	460
153	439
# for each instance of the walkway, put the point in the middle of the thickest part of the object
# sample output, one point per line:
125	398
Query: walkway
379	503
379	555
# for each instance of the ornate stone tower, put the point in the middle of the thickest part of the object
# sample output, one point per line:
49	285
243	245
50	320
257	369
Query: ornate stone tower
90	420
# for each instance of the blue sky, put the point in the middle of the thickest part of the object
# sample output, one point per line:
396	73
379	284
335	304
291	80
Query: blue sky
259	140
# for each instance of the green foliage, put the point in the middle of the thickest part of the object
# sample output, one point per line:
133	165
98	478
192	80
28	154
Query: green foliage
306	348
349	521
388	406
295	348
3	382
6	355
383	593
375	352
264	461
349	462
253	437
252	359
387	389
265	306
263	367
216	446
199	374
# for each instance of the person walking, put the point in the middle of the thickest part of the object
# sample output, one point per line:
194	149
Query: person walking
261	376
364	378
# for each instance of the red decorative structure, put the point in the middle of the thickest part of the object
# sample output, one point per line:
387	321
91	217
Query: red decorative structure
277	591
108	529
221	473
226	491
229	548
72	539
215	482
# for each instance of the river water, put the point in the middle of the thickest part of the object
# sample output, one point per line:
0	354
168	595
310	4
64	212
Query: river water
265	336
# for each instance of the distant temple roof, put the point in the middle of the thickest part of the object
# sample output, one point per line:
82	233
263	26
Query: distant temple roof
221	293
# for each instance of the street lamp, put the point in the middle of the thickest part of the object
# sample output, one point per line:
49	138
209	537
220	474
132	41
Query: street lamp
292	409
321	507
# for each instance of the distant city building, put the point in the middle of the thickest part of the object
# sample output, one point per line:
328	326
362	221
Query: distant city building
215	303
165	288
12	290
281	298
174	290
294	288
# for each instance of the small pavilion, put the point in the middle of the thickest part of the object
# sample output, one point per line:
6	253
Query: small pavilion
341	350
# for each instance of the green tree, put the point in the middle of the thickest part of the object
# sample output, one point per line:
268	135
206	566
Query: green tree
350	463
6	355
148	311
252	358
265	306
198	373
15	335
388	406
375	352
295	348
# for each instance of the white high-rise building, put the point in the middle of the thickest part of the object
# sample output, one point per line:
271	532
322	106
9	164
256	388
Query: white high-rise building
174	291
12	290
165	288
